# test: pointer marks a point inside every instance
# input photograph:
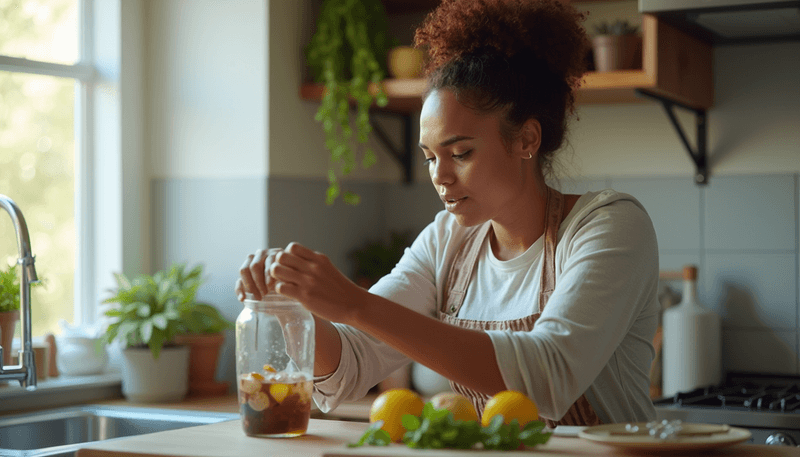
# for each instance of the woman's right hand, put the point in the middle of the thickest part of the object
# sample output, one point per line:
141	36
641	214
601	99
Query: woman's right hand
254	277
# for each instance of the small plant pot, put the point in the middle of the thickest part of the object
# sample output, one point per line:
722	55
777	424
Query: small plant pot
203	357
149	380
617	52
8	323
405	62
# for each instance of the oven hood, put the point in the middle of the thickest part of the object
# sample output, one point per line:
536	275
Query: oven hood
730	21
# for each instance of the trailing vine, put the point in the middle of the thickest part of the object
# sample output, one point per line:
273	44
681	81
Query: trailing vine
348	54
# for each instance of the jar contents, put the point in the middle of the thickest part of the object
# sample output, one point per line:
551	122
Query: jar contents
275	404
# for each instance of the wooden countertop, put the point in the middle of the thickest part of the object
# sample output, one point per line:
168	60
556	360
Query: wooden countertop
328	438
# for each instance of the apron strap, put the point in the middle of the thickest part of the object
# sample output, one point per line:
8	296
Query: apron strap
553	216
461	270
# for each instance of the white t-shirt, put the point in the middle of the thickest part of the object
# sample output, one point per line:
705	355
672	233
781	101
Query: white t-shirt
594	336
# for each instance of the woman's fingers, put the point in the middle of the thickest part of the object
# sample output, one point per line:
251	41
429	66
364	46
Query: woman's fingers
301	251
239	290
258	271
249	285
272	255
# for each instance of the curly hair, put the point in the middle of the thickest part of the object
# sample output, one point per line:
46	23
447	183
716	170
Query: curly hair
525	57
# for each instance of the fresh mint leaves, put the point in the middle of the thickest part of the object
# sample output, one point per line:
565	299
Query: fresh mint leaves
436	429
374	436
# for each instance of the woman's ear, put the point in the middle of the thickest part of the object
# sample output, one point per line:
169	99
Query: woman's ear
530	138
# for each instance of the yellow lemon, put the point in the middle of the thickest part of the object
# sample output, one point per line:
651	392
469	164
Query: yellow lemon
278	391
457	404
391	406
511	405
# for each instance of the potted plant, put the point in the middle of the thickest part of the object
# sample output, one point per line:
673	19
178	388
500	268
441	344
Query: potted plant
348	53
202	330
9	310
376	259
146	317
617	46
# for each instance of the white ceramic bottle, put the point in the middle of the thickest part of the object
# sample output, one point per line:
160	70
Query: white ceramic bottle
692	348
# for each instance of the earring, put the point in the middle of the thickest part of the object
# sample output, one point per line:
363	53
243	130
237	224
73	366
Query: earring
530	156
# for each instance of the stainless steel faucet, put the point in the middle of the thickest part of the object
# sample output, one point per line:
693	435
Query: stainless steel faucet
25	372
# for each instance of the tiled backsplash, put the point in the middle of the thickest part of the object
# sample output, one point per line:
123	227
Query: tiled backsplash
742	233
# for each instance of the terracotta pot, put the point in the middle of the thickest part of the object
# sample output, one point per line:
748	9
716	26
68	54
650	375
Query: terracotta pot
617	52
8	323
203	358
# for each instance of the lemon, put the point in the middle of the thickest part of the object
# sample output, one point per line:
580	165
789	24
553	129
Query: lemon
457	404
391	406
511	405
279	391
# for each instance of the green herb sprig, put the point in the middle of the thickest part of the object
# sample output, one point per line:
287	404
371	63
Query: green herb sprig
374	436
437	429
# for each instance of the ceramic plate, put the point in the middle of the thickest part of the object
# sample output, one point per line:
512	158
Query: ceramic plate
691	437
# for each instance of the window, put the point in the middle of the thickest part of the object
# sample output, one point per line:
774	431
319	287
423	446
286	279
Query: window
42	79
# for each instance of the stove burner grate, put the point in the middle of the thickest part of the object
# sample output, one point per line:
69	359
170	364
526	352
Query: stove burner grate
760	397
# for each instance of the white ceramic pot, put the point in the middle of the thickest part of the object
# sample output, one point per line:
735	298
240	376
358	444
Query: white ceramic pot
80	356
149	380
428	382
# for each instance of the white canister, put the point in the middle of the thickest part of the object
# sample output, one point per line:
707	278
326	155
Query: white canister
80	356
692	347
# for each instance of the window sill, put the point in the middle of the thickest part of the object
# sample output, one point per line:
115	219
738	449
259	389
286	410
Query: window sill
60	391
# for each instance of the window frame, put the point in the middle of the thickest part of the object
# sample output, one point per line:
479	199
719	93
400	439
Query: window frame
108	30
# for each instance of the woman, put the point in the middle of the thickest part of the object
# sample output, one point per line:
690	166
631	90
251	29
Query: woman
514	286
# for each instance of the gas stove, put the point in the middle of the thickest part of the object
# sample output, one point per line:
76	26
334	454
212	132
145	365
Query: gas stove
766	405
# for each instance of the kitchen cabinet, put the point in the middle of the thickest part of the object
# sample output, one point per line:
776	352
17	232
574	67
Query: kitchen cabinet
676	71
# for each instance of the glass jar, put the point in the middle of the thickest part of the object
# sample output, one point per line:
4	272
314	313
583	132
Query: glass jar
274	366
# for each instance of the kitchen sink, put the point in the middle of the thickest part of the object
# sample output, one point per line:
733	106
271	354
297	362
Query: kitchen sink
61	432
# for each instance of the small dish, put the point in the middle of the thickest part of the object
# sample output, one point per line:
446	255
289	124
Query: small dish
691	437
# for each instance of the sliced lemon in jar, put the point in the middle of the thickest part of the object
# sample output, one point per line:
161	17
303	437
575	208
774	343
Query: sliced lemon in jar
250	384
258	401
257	376
279	391
270	369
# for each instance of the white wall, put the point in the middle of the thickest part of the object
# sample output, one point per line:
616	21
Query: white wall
296	140
207	83
753	127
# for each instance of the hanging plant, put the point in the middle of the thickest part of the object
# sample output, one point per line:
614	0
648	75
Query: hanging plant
348	55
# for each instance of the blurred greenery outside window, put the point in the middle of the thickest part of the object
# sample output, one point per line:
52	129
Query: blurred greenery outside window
41	77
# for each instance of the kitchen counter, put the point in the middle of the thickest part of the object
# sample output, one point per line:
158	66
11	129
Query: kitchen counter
350	411
328	438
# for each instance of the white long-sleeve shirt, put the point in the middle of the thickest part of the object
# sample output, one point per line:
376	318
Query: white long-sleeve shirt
593	337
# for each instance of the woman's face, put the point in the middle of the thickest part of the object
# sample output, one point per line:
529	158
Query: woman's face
475	174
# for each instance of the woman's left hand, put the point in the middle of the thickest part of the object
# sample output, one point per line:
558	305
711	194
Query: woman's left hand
310	278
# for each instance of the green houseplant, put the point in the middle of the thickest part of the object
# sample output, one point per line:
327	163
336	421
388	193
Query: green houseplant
9	309
147	315
348	54
375	259
616	45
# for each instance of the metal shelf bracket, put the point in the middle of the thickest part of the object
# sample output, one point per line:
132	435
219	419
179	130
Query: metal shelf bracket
404	153
699	154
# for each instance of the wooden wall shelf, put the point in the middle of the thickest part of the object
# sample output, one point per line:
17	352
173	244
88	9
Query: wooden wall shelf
676	71
675	66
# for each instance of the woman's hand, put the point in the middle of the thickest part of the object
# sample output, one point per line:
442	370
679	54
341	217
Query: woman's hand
310	278
254	275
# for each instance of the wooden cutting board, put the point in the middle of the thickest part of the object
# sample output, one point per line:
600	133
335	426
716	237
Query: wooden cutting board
328	438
